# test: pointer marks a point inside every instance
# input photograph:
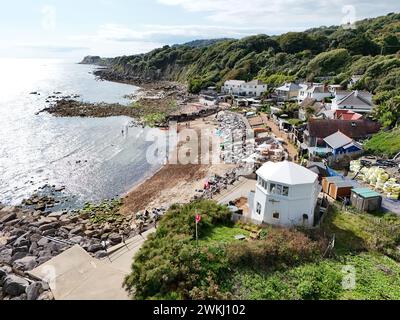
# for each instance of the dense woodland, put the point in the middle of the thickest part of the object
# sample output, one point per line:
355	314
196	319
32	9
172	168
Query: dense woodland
330	54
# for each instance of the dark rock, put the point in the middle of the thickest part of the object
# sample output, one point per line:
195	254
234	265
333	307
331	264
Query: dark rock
76	239
14	285
12	222
41	206
95	247
43	242
56	214
8	217
21	242
6	256
23	249
18	255
25	264
34	290
50	232
17	232
33	248
78	230
45	296
44	259
49	226
4	272
115	238
22	297
101	254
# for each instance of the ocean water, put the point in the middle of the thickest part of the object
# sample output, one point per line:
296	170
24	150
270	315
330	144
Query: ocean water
89	156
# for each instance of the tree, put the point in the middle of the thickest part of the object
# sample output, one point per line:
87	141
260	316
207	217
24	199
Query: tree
388	113
294	42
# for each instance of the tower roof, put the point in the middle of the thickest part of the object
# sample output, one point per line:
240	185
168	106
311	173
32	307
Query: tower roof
287	173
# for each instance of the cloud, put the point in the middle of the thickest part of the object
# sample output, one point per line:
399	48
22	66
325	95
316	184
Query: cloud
163	33
52	48
286	13
49	17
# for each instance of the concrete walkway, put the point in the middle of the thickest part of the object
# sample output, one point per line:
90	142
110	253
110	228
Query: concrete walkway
75	275
240	189
121	256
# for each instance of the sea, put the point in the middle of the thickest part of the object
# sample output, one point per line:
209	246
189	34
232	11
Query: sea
93	158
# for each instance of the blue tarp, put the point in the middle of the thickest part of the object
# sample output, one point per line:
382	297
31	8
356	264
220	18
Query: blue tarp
332	173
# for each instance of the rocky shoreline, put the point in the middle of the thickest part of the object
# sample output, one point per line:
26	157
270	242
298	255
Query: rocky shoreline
29	238
152	106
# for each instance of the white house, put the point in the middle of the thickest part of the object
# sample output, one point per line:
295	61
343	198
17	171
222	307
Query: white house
233	86
357	101
286	195
317	92
253	88
289	91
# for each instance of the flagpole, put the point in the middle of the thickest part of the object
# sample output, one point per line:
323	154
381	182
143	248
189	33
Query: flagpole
197	234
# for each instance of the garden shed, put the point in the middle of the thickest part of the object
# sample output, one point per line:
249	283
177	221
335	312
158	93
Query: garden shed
366	200
342	189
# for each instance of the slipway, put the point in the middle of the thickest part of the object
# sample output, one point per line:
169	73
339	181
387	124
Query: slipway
75	275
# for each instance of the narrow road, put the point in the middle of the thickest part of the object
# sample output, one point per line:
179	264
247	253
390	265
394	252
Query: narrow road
289	147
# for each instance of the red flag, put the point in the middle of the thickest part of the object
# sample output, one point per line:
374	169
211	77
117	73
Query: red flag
198	218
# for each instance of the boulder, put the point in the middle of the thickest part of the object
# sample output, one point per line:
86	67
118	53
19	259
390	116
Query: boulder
14	285
76	240
12	222
21	242
50	232
18	255
49	226
6	256
77	230
22	297
4	272
43	242
56	214
8	217
115	238
23	249
34	290
45	296
101	254
26	264
95	247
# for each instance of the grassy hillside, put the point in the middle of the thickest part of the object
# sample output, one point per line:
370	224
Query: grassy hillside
385	143
282	264
331	53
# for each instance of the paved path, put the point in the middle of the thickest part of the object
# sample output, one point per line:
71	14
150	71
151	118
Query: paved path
240	189
121	256
75	275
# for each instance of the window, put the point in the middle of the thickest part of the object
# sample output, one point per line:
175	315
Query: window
259	208
279	190
276	215
285	191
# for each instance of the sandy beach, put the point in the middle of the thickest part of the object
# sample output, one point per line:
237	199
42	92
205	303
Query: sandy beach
173	183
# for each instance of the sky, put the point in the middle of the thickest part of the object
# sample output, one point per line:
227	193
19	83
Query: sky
76	28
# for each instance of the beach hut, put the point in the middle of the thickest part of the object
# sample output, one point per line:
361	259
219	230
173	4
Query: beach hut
341	189
327	181
366	200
